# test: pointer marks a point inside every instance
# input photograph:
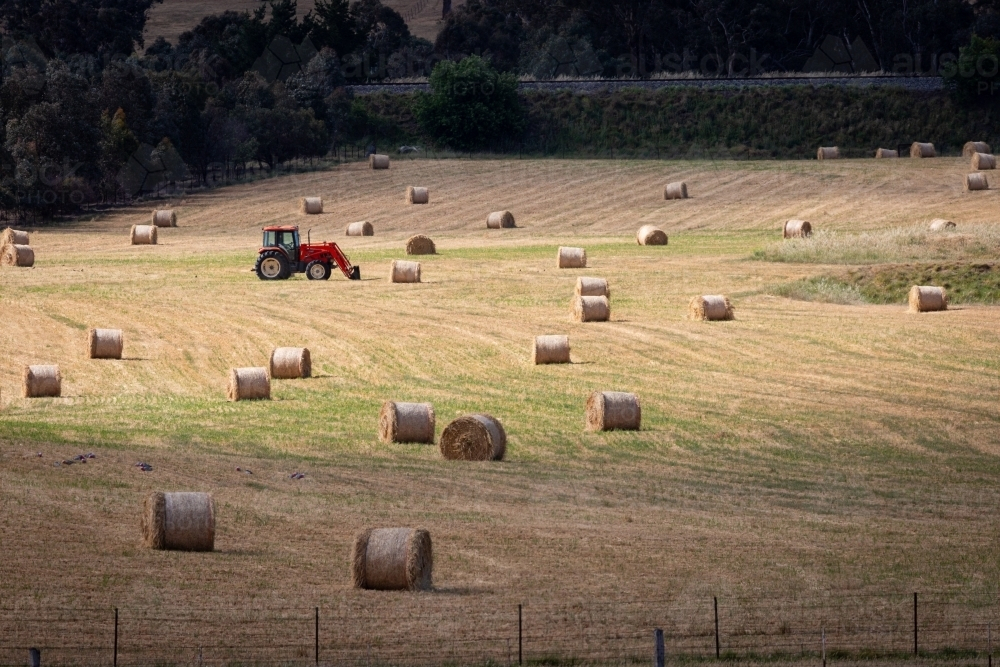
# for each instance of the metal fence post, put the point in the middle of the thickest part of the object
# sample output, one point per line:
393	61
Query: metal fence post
824	647
660	651
115	659
718	647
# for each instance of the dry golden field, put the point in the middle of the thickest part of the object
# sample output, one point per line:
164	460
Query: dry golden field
172	17
802	452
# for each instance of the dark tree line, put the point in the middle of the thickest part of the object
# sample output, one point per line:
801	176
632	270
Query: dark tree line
90	113
724	36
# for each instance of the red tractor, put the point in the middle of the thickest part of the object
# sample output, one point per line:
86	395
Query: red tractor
281	255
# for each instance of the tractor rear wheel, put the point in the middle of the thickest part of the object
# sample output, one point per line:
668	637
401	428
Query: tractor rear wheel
272	265
317	270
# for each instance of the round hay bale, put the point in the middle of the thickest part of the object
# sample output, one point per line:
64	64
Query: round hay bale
420	245
13	237
592	287
392	559
376	161
925	298
940	225
311	205
183	521
406	422
41	381
550	350
972	147
591	309
164	218
983	161
710	307
571	258
650	235
828	153
613	410
403	271
362	228
105	343
886	153
18	255
797	229
289	363
249	384
474	438
142	235
416	195
677	190
922	150
500	220
975	182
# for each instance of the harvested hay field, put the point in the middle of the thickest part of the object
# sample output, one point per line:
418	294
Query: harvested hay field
804	451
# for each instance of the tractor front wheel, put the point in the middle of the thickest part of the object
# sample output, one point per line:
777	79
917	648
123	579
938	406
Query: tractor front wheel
272	265
317	271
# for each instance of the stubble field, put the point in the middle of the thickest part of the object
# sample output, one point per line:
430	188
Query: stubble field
804	452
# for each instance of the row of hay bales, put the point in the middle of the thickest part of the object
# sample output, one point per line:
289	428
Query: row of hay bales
15	248
149	234
380	558
918	150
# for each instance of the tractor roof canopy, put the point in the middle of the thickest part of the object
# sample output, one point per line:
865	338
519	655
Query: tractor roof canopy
282	228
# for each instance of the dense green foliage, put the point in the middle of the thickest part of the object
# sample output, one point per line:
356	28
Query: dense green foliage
470	105
784	122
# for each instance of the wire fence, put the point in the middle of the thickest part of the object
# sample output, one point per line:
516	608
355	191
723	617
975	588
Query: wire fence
449	628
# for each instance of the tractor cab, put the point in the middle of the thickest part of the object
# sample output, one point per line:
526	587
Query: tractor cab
284	238
283	254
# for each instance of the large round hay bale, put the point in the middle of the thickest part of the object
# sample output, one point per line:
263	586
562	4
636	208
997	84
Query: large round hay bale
650	235
392	559
797	229
886	153
571	258
311	205
415	195
710	307
921	150
13	237
41	381
972	147
975	182
406	422
249	384
403	271
474	438
500	220
288	363
163	217
420	245
591	309
613	410
18	255
940	225
677	190
105	343
184	521
142	235
925	298
983	161
362	228
550	350
828	153
376	161
592	287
